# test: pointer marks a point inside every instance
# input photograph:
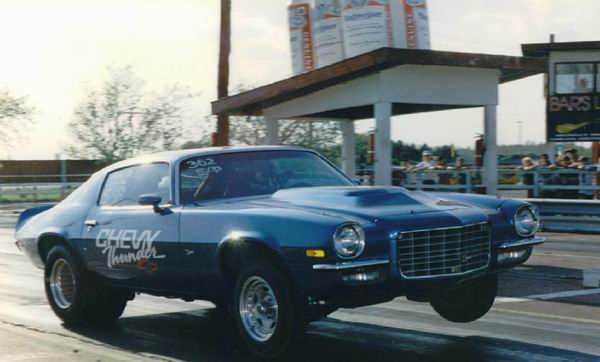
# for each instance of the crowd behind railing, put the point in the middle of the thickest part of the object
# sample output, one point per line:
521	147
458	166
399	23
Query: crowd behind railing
570	176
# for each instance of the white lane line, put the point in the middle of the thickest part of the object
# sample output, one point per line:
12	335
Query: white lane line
548	316
550	296
566	255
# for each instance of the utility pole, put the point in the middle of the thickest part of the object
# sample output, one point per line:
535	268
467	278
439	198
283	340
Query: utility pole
222	135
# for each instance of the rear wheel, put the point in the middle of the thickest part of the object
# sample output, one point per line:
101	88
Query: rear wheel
75	295
266	314
469	302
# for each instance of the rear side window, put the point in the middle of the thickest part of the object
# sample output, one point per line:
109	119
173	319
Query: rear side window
124	187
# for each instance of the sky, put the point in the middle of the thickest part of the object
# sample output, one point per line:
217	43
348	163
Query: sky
52	50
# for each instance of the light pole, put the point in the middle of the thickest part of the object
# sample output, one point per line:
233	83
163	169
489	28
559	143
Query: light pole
520	130
222	135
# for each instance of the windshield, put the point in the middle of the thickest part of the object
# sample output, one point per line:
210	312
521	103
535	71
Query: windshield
254	173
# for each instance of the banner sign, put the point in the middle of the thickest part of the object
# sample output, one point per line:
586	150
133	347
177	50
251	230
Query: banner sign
301	39
329	41
573	118
366	26
417	24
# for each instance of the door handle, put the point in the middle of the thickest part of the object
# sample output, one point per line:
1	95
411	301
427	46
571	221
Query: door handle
90	223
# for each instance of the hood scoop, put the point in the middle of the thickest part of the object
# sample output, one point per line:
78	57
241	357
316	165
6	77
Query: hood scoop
375	201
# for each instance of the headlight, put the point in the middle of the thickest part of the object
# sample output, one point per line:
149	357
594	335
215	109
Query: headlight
527	221
349	241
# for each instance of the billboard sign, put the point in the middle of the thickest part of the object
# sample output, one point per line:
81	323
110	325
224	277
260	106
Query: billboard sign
573	110
573	118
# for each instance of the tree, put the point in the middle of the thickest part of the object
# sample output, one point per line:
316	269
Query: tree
119	119
252	130
15	116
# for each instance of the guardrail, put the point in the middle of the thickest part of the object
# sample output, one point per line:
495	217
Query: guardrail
574	216
27	188
538	183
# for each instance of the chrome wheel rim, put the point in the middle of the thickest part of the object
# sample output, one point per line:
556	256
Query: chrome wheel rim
258	309
62	284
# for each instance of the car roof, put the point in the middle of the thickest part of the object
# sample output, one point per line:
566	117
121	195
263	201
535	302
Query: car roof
172	157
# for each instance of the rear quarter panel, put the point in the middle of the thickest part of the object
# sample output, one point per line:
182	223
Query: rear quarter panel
65	220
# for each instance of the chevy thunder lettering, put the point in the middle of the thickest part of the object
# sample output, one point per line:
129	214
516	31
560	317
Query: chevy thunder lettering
127	246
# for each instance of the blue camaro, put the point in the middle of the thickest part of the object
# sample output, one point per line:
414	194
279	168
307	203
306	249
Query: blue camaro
275	236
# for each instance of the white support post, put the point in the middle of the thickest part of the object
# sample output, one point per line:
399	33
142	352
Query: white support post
348	147
490	158
383	143
272	136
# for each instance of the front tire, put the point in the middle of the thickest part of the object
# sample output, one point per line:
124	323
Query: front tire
469	302
75	295
266	315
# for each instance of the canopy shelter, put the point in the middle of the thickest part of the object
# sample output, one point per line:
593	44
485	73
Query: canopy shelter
382	84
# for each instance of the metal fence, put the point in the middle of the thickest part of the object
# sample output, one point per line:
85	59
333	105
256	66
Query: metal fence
26	188
537	183
557	215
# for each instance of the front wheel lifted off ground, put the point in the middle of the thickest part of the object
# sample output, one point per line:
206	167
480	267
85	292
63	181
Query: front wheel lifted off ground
469	302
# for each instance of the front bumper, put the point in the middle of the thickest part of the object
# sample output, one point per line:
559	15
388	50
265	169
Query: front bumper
357	264
522	243
362	282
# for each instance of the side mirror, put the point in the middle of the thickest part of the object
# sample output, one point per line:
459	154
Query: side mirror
151	200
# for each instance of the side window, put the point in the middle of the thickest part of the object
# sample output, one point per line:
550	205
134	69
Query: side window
124	187
574	78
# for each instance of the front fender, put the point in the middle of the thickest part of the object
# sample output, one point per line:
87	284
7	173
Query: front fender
251	237
240	238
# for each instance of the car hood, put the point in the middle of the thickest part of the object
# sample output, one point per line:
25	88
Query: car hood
370	203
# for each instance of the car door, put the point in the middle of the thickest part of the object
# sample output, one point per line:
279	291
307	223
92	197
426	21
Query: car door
131	244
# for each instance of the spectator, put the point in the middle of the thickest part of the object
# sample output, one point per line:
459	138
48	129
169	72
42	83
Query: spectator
527	178
547	177
564	161
443	178
459	164
574	156
568	179
544	161
460	177
527	164
426	161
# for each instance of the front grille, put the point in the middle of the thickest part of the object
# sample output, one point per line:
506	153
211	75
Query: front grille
447	251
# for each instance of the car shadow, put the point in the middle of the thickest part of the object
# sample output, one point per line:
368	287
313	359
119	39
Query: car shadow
206	335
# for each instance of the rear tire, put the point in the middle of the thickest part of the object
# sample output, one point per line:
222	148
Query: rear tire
75	295
267	317
469	302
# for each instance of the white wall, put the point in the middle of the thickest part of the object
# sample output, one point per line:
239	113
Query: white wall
440	85
403	84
